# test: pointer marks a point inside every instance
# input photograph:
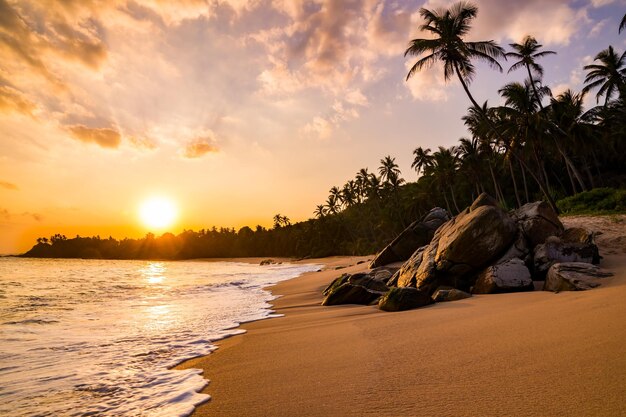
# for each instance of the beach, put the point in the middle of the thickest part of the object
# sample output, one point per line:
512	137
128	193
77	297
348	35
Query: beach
524	354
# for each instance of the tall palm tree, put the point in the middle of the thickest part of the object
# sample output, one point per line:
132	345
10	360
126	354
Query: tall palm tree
527	53
443	170
335	193
422	159
471	161
449	26
609	74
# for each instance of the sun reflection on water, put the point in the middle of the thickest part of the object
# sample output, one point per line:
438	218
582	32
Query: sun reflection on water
154	272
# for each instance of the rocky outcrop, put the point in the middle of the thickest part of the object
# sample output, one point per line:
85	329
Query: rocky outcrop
538	222
574	276
509	276
419	233
555	250
450	294
483	250
459	248
399	299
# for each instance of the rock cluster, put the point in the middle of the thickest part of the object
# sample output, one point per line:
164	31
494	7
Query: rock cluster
483	250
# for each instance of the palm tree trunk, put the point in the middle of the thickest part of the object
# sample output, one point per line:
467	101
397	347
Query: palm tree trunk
568	161
447	202
571	180
467	91
496	188
456	206
519	202
525	184
541	184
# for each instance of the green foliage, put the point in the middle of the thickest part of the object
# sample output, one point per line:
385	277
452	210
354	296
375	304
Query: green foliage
598	200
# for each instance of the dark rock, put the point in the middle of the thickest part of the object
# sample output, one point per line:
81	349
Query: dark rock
367	281
407	275
419	233
554	250
510	276
383	273
450	295
336	283
484	200
348	293
399	299
393	281
577	235
518	249
538	221
574	276
267	262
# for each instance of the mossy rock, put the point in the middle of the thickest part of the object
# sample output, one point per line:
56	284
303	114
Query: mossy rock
404	298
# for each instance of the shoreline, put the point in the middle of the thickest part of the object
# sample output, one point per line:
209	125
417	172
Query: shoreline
532	354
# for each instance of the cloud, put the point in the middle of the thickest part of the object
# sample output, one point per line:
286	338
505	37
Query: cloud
8	185
13	100
199	147
104	137
428	84
6	215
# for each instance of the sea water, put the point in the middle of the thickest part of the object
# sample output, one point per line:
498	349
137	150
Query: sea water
92	337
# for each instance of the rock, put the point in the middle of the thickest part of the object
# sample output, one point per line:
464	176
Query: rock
419	233
336	282
450	295
348	293
393	281
267	262
573	276
577	235
382	273
473	240
509	276
484	200
538	221
399	299
459	248
367	281
554	250
518	249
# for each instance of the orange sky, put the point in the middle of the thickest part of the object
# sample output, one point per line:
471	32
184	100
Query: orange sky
236	110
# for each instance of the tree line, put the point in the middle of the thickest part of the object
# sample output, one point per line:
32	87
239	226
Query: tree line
534	146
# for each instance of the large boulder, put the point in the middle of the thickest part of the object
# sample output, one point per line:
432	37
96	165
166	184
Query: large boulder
555	250
471	241
461	247
450	294
518	249
510	276
417	234
574	276
538	222
577	235
399	299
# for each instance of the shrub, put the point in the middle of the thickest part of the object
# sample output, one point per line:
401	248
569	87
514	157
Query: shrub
598	200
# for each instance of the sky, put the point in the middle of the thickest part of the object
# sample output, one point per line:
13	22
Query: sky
236	110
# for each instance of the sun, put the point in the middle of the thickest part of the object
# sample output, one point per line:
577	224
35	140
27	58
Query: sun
157	212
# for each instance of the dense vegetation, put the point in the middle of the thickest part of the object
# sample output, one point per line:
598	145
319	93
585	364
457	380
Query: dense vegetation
535	146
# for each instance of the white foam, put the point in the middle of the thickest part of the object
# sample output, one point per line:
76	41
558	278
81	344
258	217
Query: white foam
100	337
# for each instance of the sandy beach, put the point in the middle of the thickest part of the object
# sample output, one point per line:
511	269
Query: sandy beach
523	354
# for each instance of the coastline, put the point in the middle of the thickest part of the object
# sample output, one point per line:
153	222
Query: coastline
530	354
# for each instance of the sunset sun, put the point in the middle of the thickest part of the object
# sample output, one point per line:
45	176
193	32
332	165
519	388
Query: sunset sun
157	212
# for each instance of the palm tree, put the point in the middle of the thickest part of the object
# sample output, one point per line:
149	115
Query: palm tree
471	161
349	193
527	53
332	205
335	193
422	159
449	26
389	170
609	74
277	221
443	170
320	211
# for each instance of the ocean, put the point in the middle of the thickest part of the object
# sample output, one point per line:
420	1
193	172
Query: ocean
94	337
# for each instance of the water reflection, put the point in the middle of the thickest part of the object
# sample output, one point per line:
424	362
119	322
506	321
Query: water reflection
154	272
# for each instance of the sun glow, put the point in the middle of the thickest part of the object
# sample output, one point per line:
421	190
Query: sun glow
157	212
